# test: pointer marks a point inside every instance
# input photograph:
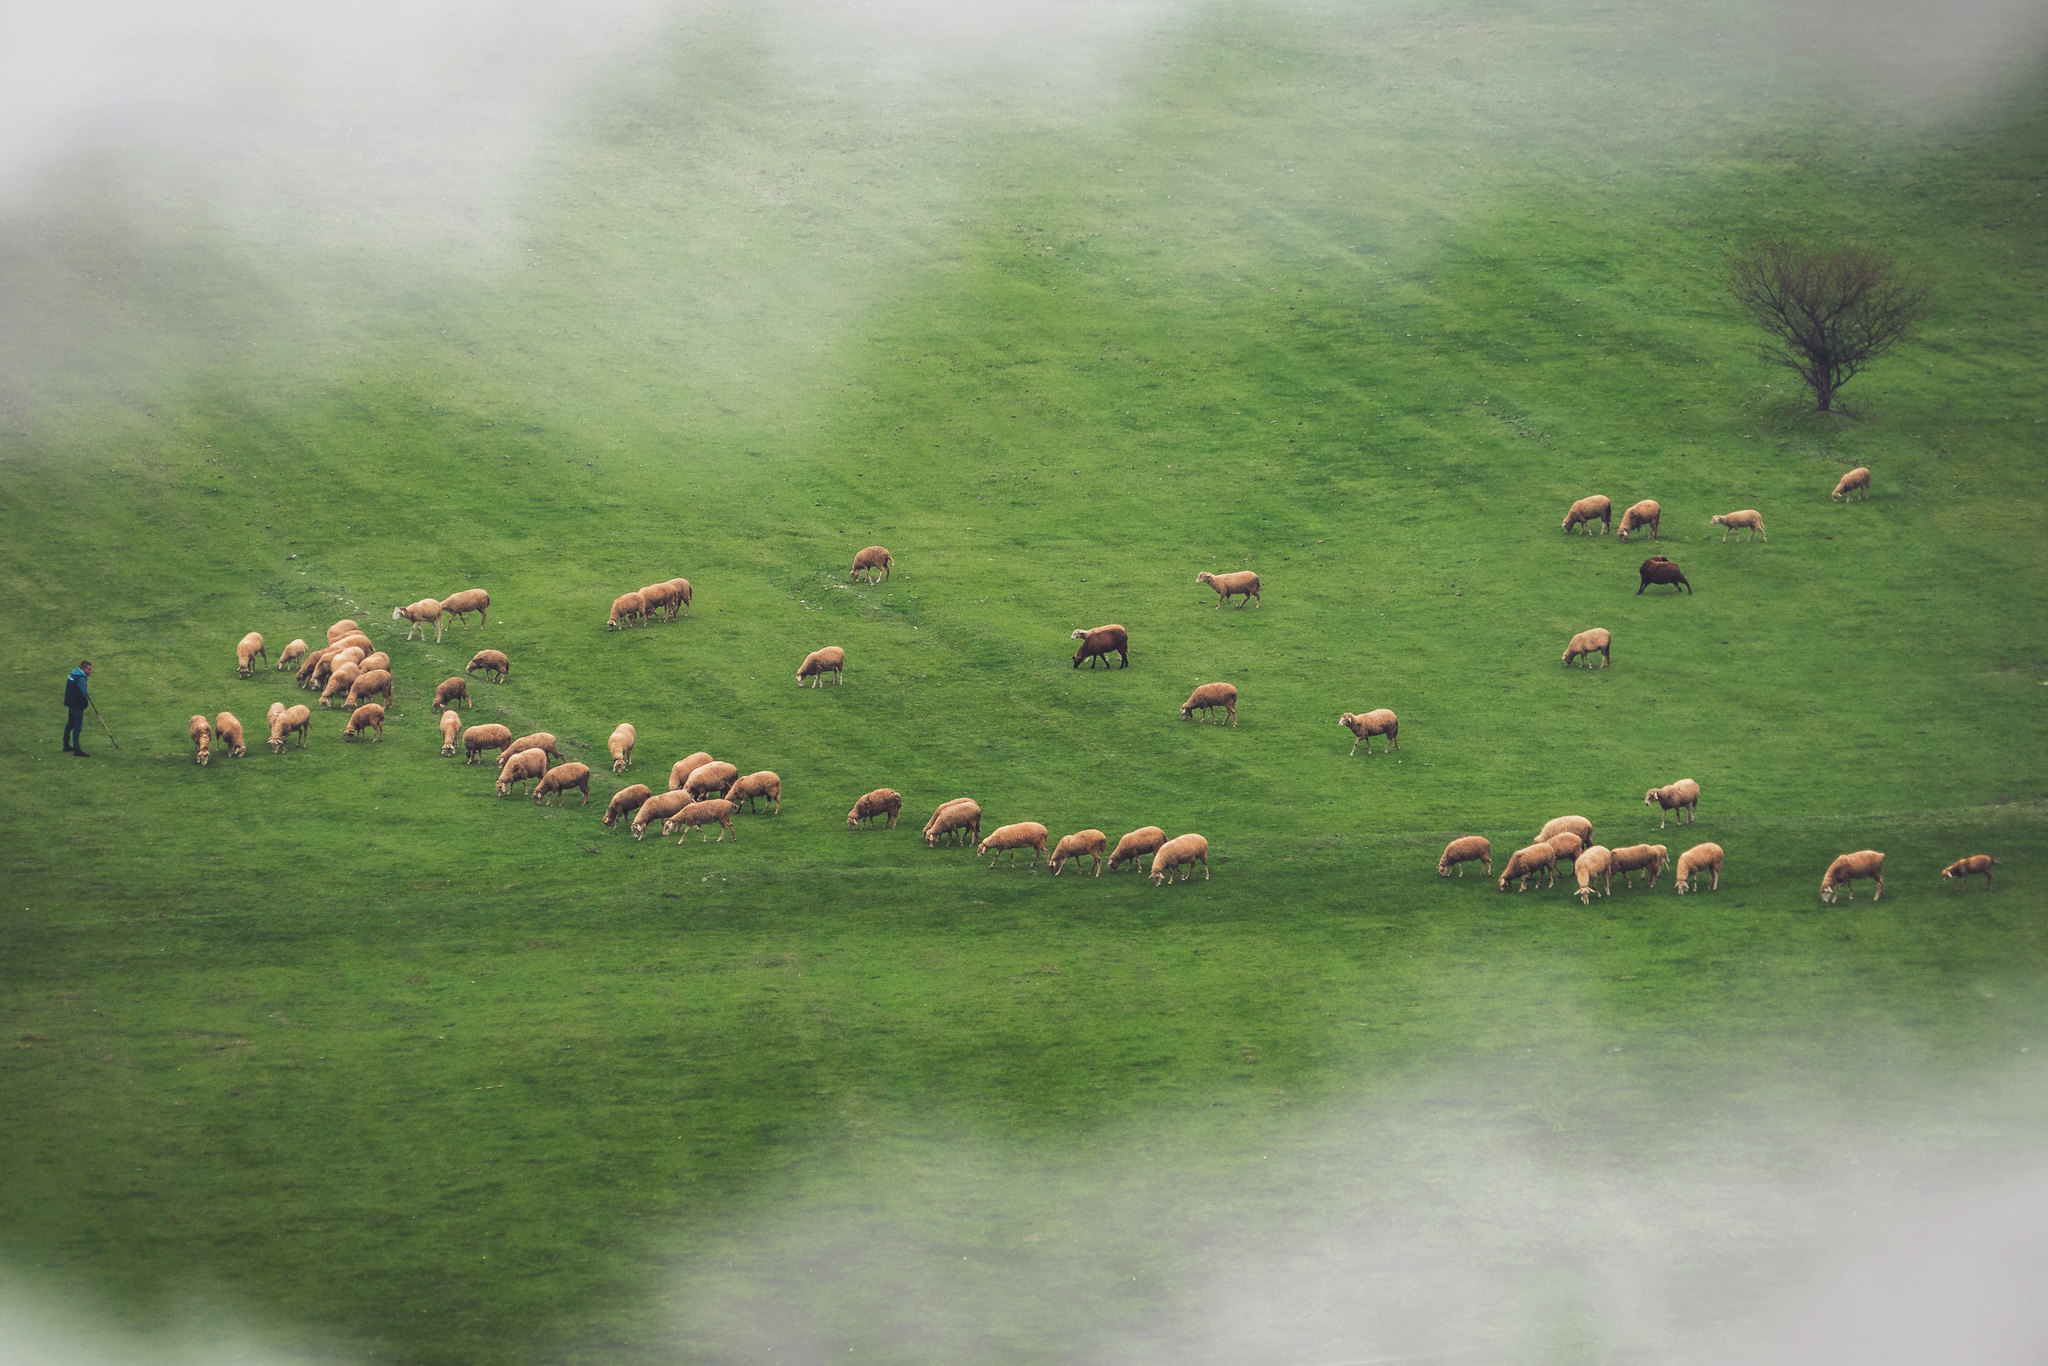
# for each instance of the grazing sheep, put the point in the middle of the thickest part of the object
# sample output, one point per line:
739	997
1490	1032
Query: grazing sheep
370	716
542	740
450	691
1080	844
698	816
477	739
1749	519
883	801
1243	581
339	682
290	654
1589	510
755	786
491	662
227	728
451	731
460	605
1568	843
1681	796
370	683
624	802
347	626
680	773
1639	858
659	597
1858	478
657	808
818	663
682	600
1526	863
874	562
1701	858
517	768
1595	862
959	818
250	649
1657	569
1463	850
1364	727
347	654
1207	698
1100	642
379	660
202	740
275	709
354	640
1023	835
307	667
1643	514
426	612
1146	839
1182	852
561	779
621	745
710	780
1578	825
625	607
1962	870
283	723
1846	869
1586	644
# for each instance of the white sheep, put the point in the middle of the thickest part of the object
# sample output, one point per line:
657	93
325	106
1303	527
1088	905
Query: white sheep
250	649
369	717
661	600
338	682
1568	844
1364	727
1749	519
1681	796
345	627
370	683
885	802
1182	852
1023	835
1586	644
450	691
426	612
682	599
1639	858
818	663
1846	869
1701	858
658	807
1962	870
489	736
710	780
625	802
1244	582
700	815
1463	850
1080	844
1643	514
1578	825
1858	478
1524	864
542	740
492	662
1207	698
621	745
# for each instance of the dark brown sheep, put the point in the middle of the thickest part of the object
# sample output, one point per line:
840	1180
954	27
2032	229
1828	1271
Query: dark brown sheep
1657	569
1101	642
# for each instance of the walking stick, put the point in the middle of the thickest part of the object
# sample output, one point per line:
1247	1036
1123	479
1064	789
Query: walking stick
103	722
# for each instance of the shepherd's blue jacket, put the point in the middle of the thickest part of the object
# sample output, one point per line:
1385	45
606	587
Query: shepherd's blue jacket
74	690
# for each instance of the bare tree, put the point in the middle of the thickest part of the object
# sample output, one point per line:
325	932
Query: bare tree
1828	313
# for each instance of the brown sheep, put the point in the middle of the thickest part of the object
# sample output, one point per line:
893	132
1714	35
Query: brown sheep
379	660
1858	478
451	731
202	740
460	605
656	809
818	663
1526	863
1586	644
1659	570
477	739
883	801
250	650
290	654
1568	843
1640	858
1364	727
517	768
1681	796
1962	870
1182	852
561	779
1023	835
874	562
1749	519
1846	869
1101	642
660	599
367	717
682	599
698	816
1643	514
625	802
1146	839
307	667
1594	863
625	607
542	740
449	692
754	787
959	818
420	615
338	683
1226	585
1207	698
347	626
370	683
227	728
491	662
1595	508
1578	825
710	780
1701	858
683	768
283	723
1081	843
347	654
1463	850
620	745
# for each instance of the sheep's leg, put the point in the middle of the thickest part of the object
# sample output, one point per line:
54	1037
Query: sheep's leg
1354	749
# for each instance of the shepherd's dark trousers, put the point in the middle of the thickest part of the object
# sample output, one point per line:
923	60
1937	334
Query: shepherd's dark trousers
73	726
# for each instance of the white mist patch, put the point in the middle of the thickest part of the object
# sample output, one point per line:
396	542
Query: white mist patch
40	1328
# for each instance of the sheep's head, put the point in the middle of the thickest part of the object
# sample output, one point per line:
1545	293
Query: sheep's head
1205	577
398	614
1078	635
1827	887
1650	797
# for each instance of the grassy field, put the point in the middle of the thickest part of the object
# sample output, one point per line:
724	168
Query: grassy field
392	1070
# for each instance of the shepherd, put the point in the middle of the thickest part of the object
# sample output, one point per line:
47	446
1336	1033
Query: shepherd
75	703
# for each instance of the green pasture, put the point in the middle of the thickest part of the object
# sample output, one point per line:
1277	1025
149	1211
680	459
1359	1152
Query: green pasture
395	1070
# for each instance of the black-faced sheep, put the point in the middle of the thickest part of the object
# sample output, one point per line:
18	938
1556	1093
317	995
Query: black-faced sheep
960	819
1643	514
1701	858
478	739
680	772
1182	852
246	653
290	655
873	562
625	802
563	778
1207	698
284	723
1588	510
227	728
755	787
422	614
1681	796
1962	870
1463	850
1080	844
451	731
1640	858
492	662
449	692
460	605
700	816
1586	644
518	768
1659	570
1377	722
1526	863
1749	519
620	744
1135	846
1023	835
818	663
885	802
1244	582
1100	642
1846	869
201	735
1858	478
710	780
368	717
626	607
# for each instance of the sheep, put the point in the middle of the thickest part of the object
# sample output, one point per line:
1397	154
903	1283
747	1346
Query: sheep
283	723
1962	870
227	728
1244	581
370	683
460	605
1463	850
1182	852
873	561
883	801
1526	863
561	779
1023	835
1588	643
1643	514
250	649
960	818
625	607
1578	825
379	660
621	745
680	773
1749	519
451	731
1207	698
1568	843
307	666
290	654
1846	869
354	640
624	802
451	691
818	663
347	654
542	740
1639	858
369	716
1594	863
754	787
477	739
491	662
1100	642
709	780
202	740
660	598
276	709
657	808
1080	843
1146	839
527	763
1681	796
682	599
345	627
1858	478
1364	727
697	816
1701	858
422	614
338	682
1588	510
1659	570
